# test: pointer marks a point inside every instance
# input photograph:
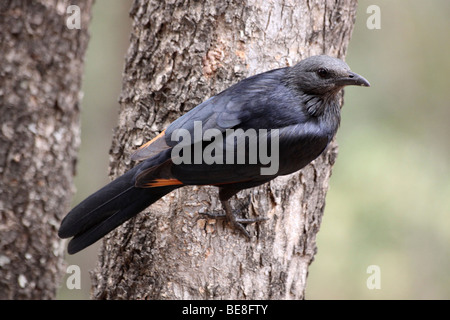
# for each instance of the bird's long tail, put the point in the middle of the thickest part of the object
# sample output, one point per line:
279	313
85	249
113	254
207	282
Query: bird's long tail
107	208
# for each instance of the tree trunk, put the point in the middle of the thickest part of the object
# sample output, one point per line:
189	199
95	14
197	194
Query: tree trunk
41	66
181	54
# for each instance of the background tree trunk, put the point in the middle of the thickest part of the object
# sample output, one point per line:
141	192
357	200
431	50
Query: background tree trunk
41	67
181	54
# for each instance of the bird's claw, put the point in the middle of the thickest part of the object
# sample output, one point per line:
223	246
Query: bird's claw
237	223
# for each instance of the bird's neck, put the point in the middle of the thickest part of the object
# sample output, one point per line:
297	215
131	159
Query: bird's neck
326	108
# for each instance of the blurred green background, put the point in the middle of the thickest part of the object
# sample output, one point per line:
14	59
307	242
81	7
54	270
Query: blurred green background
389	198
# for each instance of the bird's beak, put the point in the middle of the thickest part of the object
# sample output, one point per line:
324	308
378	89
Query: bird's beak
353	79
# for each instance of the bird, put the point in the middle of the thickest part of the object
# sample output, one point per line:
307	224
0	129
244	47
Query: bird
297	107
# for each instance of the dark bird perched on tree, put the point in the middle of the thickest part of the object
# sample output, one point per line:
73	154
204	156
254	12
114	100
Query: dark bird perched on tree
298	107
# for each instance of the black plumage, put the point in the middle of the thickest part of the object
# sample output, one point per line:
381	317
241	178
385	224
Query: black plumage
297	107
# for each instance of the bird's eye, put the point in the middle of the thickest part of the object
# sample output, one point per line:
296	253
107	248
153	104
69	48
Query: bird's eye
323	73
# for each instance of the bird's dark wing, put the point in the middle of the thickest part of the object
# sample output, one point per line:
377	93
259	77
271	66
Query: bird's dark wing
231	108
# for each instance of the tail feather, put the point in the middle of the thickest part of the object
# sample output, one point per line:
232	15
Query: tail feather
106	209
98	206
134	201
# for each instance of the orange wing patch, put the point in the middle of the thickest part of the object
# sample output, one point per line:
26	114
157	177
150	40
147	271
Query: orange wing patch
151	148
162	183
145	145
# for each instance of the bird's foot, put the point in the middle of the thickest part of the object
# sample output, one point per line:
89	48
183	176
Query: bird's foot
231	217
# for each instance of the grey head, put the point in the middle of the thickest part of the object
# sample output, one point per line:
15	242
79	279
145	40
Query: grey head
321	75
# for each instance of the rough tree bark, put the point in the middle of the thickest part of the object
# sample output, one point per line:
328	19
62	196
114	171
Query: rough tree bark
180	54
40	78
